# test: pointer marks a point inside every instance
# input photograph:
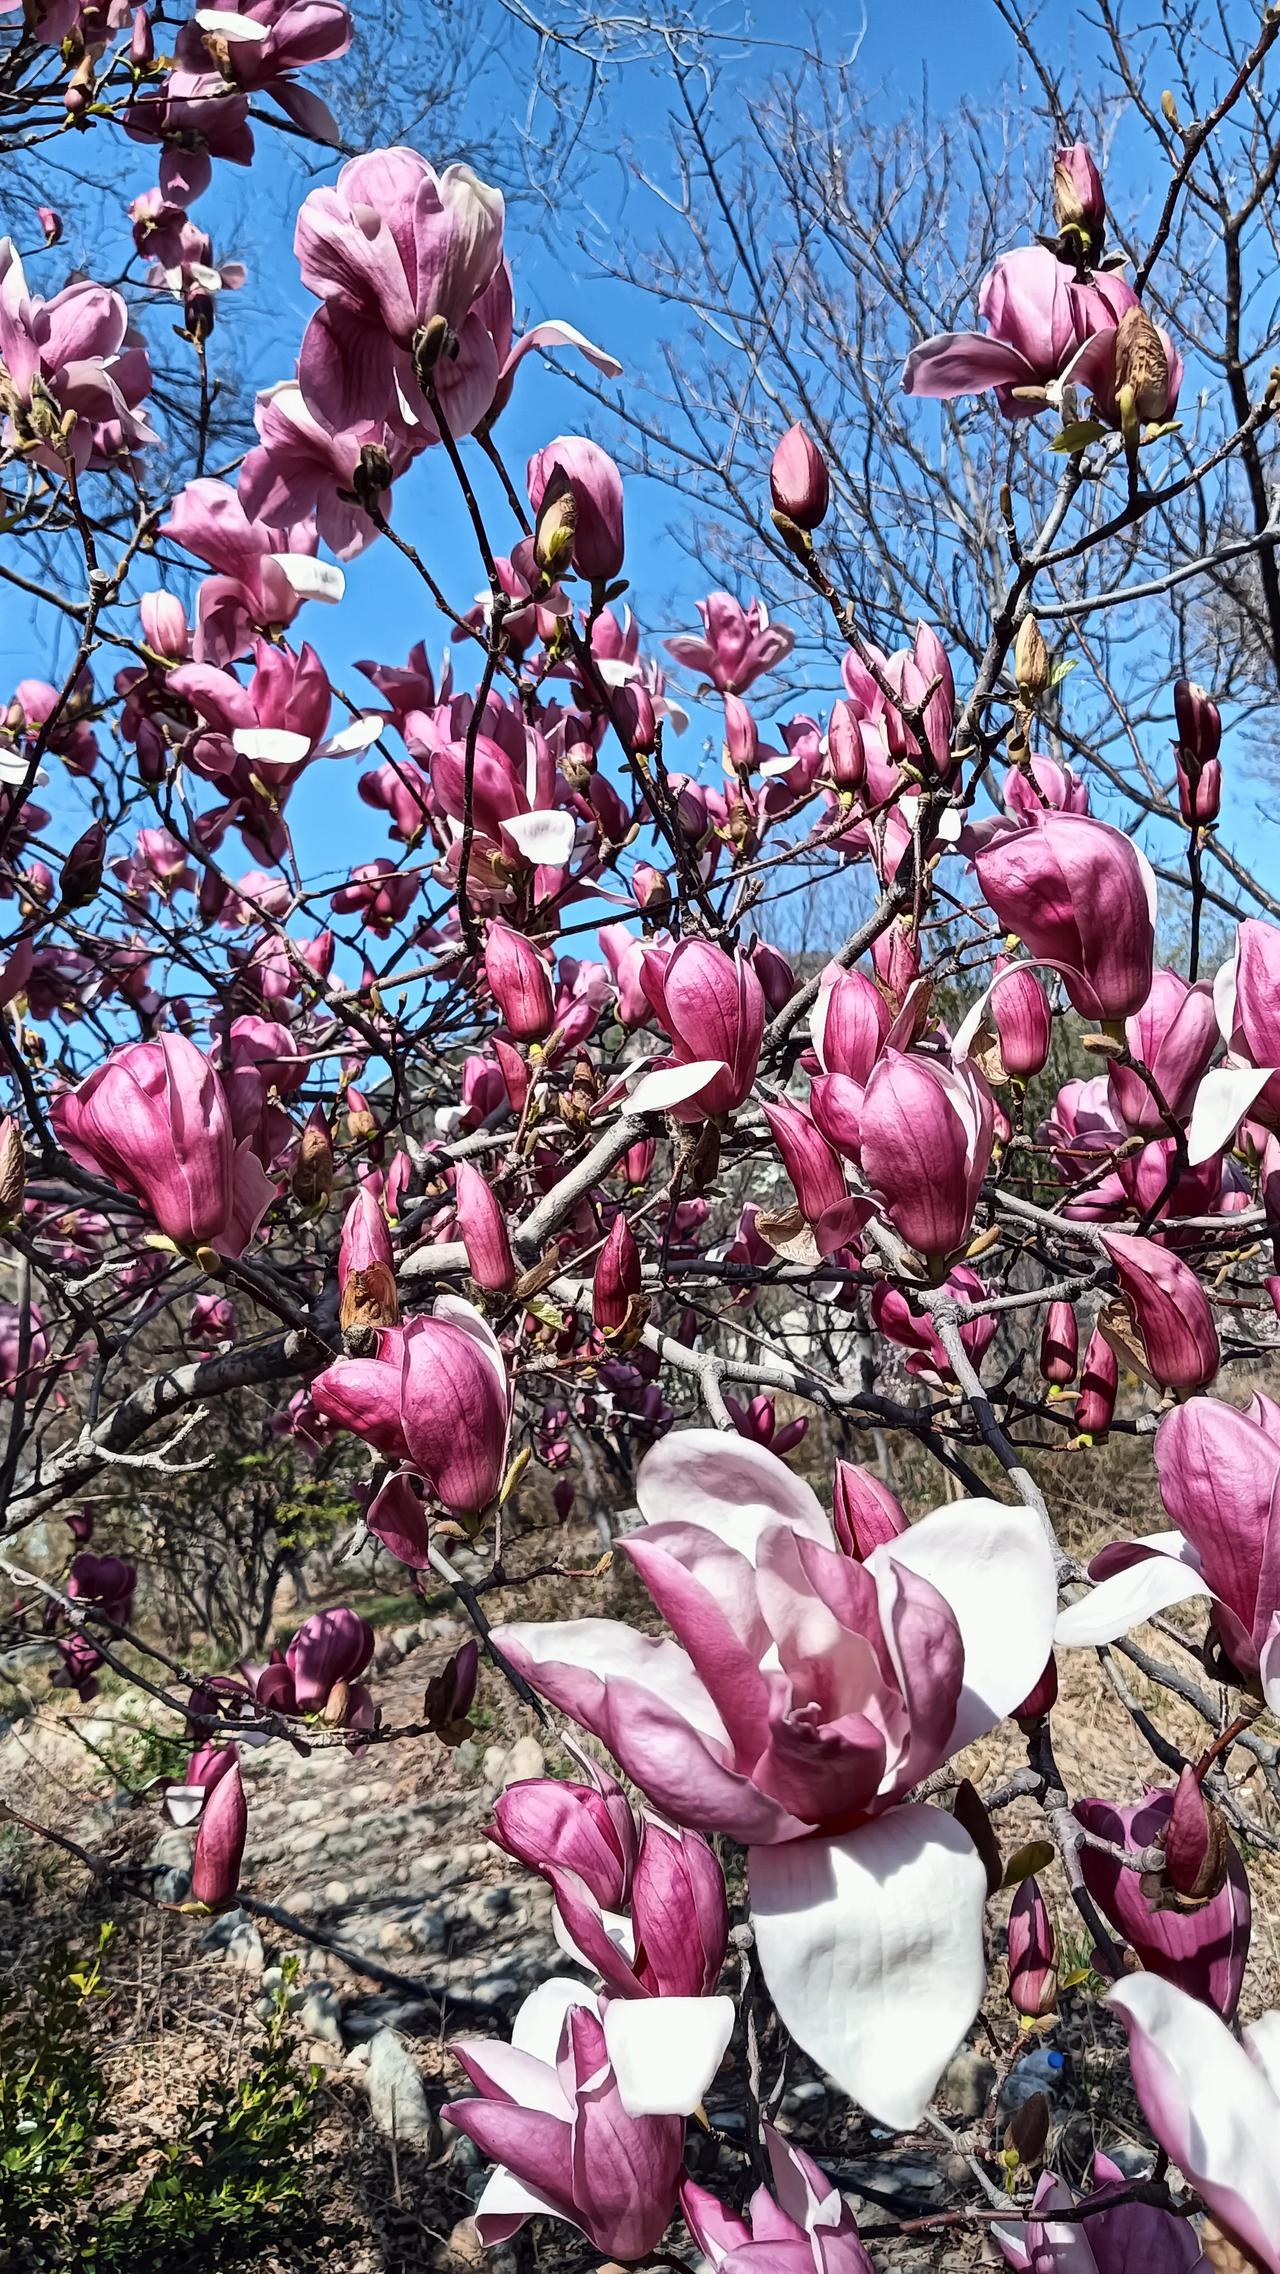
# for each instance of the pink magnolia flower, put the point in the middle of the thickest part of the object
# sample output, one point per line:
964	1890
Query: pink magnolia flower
925	1135
712	1006
798	479
224	1824
72	351
1219	1474
1043	782
913	1330
739	644
1038	317
1203	1949
564	2114
329	1648
863	1510
596	485
196	116
389	248
262	575
849	1022
1213	2104
258	44
302	467
802	2226
806	1695
1082	898
1128	2238
155	1120
758	1422
212	1322
380	893
1175	1036
107	1580
1170	1310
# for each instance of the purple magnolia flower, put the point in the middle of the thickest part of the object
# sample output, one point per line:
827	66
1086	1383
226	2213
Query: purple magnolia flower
738	646
68	355
1038	317
806	1696
802	2226
584	2111
1203	1949
261	576
302	467
1130	2238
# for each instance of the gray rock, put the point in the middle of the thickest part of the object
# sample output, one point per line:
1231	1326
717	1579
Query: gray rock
496	1989
397	2100
389	2009
430	1929
244	1950
171	1850
320	2012
171	1885
967	2084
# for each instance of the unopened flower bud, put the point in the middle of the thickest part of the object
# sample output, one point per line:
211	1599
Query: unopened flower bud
1033	1973
314	1168
617	1279
557	526
1099	1380
13	1172
1030	660
142	47
798	479
845	754
215	1867
1196	1848
637	719
1059	1345
519	982
1195	754
1142	368
1079	205
362	1122
864	1511
81	876
482	1228
562	1498
50	221
450	1695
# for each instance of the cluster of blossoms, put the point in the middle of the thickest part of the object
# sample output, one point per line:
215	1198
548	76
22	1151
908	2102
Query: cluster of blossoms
444	1182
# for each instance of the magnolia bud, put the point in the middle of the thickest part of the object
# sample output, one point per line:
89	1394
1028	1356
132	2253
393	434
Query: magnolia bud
1030	660
1142	367
519	982
215	1867
1196	1847
1195	754
13	1171
799	481
362	1123
50	221
864	1511
1099	1380
1033	1973
1027	2131
314	1168
142	47
637	719
81	875
483	1230
450	1694
1078	201
562	1497
1059	1345
617	1280
557	527
845	754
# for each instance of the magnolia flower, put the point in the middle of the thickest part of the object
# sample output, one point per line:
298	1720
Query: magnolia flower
739	644
302	466
566	2112
804	2226
1219	1474
67	359
806	1696
262	574
1038	317
1129	2238
1083	899
1213	2104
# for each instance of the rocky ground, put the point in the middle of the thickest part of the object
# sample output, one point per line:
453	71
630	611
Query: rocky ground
409	1927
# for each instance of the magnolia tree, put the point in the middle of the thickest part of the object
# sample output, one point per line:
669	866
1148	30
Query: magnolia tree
447	1161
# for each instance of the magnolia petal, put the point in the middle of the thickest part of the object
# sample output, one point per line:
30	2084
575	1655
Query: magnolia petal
728	1486
1269	1664
664	2052
183	1802
1222	1100
673	1085
1128	1599
270	745
1210	2107
351	739
871	1946
504	2205
231	27
993	1565
309	578
546	837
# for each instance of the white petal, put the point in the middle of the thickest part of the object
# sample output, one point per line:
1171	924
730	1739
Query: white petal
871	1946
616	1925
183	1803
13	768
352	738
1128	1599
545	837
1269	1664
1209	2105
672	1085
231	27
309	578
1224	995
665	2051
537	2027
270	745
504	2205
731	1487
993	1564
1222	1100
